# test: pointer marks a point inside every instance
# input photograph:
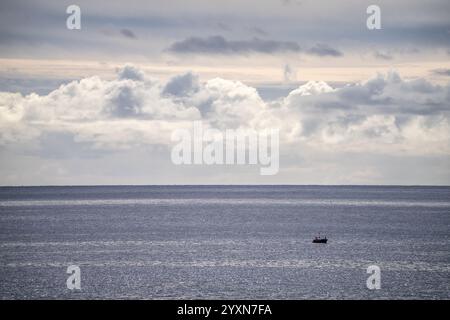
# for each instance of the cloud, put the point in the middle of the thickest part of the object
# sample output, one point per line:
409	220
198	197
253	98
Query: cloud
385	116
441	72
291	2
220	45
181	85
259	31
323	50
128	33
382	55
130	72
223	26
289	73
430	34
310	88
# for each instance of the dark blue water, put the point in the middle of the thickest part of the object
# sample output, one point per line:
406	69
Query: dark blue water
240	242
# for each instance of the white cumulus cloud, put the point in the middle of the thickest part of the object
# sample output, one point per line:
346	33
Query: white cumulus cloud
385	115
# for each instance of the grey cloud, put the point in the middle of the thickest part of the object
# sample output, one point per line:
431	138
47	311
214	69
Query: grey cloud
181	85
383	95
220	45
130	72
291	2
289	73
382	55
323	50
124	103
259	31
41	86
223	26
61	144
128	33
386	110
393	95
178	21
441	72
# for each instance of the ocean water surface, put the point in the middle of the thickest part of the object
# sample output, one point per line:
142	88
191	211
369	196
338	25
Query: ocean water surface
224	242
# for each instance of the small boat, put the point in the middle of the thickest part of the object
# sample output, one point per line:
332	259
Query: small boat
320	240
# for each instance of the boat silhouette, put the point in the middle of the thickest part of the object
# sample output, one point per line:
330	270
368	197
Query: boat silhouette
319	239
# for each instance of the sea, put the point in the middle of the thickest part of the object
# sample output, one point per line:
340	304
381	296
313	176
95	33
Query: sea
225	242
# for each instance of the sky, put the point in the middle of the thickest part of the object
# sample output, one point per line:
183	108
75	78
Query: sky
99	105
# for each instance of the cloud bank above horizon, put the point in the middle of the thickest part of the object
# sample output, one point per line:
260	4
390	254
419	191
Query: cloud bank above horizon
385	130
353	105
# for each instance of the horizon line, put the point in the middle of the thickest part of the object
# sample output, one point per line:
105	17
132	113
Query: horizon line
225	185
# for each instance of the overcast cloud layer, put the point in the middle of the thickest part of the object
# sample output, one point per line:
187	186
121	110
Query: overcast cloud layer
222	46
260	36
109	131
